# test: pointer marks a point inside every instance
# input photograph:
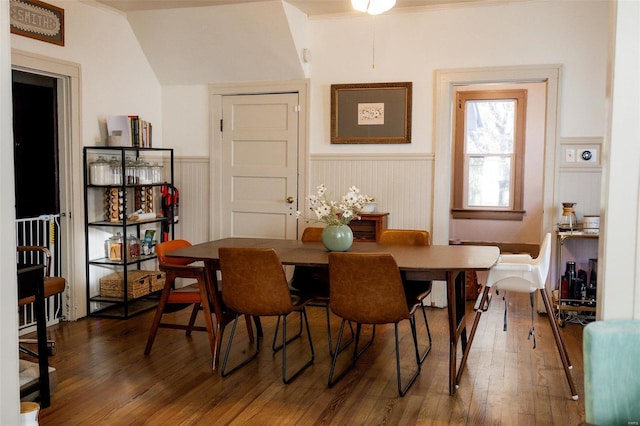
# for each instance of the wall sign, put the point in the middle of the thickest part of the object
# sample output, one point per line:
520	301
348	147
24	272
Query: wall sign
35	19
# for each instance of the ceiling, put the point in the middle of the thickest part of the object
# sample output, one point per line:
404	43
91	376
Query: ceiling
309	7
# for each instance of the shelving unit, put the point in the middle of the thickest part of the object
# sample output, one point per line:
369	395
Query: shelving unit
583	248
100	225
368	227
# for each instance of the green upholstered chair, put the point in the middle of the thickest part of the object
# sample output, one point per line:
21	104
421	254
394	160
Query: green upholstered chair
611	373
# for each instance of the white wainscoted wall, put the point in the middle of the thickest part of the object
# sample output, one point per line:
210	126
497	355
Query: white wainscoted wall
402	184
191	176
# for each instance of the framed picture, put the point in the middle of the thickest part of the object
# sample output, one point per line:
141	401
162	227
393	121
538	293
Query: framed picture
371	113
39	20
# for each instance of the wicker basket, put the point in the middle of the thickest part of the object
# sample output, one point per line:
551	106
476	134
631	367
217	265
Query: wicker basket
138	284
157	280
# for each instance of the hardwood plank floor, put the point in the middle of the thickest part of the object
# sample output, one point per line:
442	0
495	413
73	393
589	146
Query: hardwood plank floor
105	379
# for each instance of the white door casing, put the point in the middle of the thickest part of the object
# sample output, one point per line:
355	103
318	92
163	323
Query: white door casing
258	163
70	157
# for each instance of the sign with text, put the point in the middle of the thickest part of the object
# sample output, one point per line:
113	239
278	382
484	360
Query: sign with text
35	19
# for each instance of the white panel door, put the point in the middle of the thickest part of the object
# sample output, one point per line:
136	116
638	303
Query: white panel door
260	165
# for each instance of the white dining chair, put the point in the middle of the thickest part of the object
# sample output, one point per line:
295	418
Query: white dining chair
523	274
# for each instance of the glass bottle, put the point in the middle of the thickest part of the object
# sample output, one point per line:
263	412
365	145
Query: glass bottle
570	277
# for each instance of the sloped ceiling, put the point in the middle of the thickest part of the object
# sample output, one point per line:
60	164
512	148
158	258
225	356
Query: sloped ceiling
236	42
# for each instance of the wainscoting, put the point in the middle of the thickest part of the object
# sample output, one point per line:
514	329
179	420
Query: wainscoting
401	184
191	177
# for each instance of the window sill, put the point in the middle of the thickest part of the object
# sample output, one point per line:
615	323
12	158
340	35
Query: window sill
488	214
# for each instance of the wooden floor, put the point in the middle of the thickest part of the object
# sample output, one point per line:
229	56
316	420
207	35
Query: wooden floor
105	379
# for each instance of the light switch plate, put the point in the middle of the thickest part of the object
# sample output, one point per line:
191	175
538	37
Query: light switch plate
570	155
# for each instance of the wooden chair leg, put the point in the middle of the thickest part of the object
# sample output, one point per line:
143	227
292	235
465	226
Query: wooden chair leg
208	320
158	316
192	319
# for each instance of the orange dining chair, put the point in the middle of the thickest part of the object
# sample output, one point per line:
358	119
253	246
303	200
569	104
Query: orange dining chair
52	286
416	285
172	299
366	288
312	282
254	284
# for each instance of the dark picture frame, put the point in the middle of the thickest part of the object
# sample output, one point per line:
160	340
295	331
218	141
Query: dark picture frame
371	113
38	20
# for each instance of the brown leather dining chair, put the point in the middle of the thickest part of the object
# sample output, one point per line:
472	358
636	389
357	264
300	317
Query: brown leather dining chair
366	288
312	282
172	300
416	285
52	285
255	284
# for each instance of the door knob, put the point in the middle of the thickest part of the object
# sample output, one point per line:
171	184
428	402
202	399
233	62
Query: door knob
290	199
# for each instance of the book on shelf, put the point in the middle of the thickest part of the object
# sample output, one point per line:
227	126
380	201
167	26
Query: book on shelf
129	131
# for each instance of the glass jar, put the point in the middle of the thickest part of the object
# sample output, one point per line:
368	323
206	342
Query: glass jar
156	173
100	172
133	247
116	171
130	171
142	171
115	247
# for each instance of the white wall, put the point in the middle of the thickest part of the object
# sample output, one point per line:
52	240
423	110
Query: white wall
10	400
116	76
619	265
411	46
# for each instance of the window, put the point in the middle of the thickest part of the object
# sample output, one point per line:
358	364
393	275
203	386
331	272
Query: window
489	154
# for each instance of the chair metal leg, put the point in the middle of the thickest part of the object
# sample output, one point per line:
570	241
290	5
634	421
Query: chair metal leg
347	343
402	390
286	380
562	350
291	339
223	370
341	348
423	356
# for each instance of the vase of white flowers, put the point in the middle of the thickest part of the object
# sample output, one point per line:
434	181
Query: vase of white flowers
337	235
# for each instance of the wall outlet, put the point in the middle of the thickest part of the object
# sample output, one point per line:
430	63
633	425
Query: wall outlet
570	155
587	155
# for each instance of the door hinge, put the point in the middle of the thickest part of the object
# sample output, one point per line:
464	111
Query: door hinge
296	108
221	124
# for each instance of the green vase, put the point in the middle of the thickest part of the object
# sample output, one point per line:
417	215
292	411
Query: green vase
337	237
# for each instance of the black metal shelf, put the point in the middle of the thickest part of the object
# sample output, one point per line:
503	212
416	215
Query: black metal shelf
126	306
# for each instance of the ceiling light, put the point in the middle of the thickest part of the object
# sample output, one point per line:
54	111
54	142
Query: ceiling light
373	7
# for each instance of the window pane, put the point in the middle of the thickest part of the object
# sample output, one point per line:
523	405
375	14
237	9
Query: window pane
489	126
489	184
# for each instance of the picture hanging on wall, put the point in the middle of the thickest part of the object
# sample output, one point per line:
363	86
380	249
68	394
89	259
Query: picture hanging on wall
377	113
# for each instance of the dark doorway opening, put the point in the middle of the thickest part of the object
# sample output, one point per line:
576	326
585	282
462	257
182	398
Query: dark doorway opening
35	145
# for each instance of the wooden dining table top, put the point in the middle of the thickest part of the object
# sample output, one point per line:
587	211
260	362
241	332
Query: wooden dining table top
435	258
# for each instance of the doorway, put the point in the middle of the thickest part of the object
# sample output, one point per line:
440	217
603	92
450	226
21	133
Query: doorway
259	167
35	146
51	89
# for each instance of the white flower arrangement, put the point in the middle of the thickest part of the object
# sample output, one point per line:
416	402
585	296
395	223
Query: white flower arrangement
334	212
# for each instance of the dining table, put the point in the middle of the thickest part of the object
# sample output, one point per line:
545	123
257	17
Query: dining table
437	262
